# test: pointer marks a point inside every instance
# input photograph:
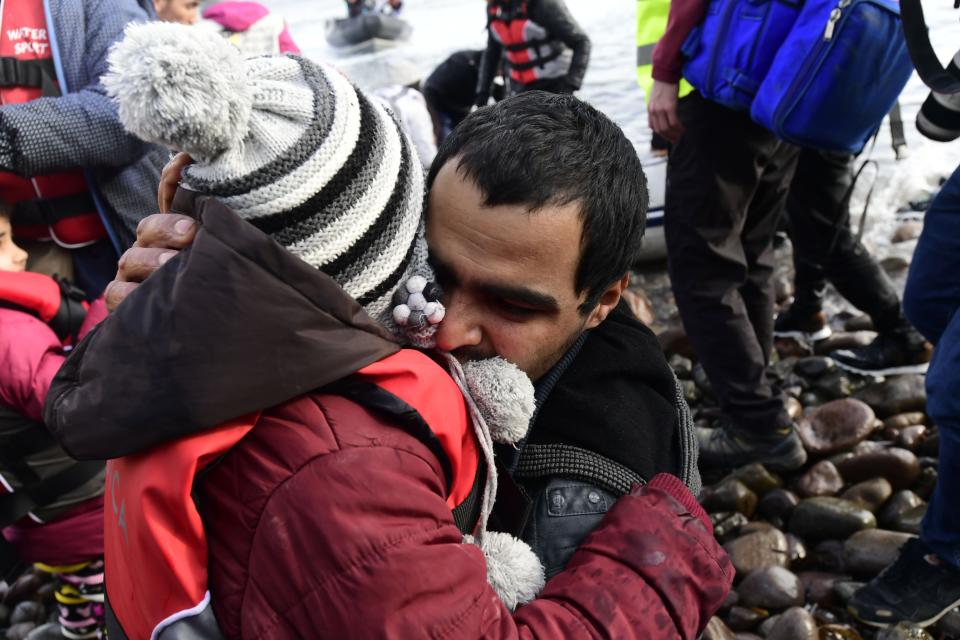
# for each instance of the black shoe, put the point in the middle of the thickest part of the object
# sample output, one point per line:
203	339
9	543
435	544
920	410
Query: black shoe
889	354
726	447
800	324
918	588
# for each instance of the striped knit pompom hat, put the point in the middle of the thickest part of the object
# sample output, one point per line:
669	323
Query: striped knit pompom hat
292	147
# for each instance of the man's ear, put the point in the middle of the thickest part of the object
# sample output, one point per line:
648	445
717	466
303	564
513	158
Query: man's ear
609	299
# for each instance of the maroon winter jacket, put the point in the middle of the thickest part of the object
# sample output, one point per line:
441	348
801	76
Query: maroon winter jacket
328	519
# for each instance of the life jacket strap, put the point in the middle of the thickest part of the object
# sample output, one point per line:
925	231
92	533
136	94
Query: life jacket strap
39	74
47	211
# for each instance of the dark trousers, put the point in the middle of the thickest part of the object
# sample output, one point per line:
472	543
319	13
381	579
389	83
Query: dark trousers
727	181
824	248
932	302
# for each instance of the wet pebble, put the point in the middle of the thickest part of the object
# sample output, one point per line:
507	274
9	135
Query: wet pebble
727	525
675	340
717	629
899	503
828	555
778	503
743	618
771	588
757	478
796	551
814	366
869	494
867	553
20	631
836	426
829	518
23	588
759	549
4	615
795	623
793	407
822	479
27	611
818	586
910	520
729	495
48	631
925	483
834	385
903	420
898	394
767	625
912	437
844	589
899	466
908	230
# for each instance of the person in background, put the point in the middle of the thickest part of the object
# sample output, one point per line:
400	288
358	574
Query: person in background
727	184
825	248
450	89
51	507
543	46
923	583
75	179
250	27
182	11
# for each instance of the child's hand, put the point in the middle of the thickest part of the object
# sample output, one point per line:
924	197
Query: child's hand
159	237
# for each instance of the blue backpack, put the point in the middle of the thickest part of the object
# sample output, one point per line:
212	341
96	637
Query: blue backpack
729	53
837	74
822	75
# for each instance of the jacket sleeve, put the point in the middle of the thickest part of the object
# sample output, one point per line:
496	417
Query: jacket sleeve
79	129
561	25
31	355
667	59
382	542
488	69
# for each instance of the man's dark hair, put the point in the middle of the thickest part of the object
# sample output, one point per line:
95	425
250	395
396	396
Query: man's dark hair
540	148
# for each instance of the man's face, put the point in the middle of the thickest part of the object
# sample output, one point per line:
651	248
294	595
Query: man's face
183	11
508	276
12	257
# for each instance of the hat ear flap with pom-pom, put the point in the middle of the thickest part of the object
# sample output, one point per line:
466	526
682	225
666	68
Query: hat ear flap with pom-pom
513	569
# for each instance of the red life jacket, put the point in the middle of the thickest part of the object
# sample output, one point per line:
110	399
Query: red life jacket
55	301
57	206
530	50
154	541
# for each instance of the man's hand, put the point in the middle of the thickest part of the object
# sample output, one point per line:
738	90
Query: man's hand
159	237
662	111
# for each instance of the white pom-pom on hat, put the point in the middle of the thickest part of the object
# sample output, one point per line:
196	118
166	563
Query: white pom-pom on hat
181	87
504	396
513	569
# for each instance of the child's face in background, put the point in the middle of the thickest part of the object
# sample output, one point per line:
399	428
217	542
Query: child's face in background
182	11
12	257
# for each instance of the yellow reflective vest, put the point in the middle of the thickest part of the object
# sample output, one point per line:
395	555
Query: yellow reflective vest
651	23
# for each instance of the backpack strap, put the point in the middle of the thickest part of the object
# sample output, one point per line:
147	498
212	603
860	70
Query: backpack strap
376	398
928	65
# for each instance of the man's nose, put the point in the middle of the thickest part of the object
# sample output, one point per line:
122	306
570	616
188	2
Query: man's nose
459	327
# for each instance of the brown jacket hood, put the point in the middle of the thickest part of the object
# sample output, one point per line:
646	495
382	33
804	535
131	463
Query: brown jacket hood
234	324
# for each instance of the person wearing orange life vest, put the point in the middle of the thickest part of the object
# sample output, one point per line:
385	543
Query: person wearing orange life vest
382	452
73	176
51	507
541	44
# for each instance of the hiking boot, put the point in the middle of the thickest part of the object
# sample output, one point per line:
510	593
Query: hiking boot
796	323
727	447
890	353
918	587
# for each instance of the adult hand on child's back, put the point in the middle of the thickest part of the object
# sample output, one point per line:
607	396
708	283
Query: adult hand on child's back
159	237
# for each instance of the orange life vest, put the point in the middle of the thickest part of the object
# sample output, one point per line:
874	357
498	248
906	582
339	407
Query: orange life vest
529	48
57	206
154	540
